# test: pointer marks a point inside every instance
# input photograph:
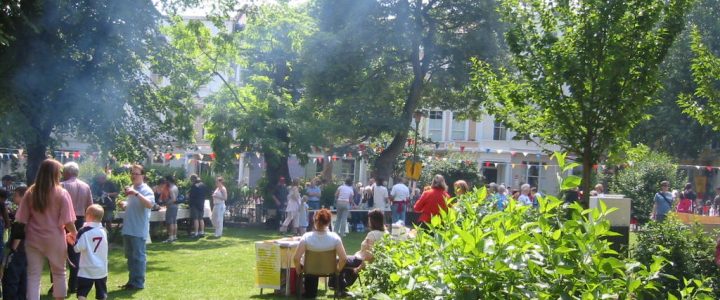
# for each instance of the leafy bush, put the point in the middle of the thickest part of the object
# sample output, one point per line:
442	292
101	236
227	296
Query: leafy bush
90	169
452	170
155	172
641	180
690	249
327	196
519	253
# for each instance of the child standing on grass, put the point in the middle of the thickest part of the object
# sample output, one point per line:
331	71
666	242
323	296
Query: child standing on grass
14	281
303	215
93	248
293	206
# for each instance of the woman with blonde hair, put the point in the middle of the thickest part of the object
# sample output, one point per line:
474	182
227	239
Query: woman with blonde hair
47	212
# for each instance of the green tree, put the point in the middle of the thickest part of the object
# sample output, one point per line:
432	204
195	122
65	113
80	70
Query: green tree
257	108
680	134
585	72
77	69
703	105
640	179
373	63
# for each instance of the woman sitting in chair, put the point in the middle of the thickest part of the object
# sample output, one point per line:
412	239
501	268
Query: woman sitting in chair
320	240
364	256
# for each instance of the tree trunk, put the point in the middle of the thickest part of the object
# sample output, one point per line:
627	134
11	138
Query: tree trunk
327	171
276	166
36	154
385	163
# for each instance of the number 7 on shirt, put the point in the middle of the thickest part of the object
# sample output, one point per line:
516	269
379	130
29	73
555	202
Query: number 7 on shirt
97	241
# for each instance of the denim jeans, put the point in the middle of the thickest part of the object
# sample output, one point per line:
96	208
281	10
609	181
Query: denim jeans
136	260
314	204
343	210
397	216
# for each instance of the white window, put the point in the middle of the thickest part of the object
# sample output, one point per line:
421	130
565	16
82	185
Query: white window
534	173
459	129
499	132
348	169
435	125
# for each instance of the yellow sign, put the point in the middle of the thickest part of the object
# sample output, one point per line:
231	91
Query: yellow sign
267	265
413	171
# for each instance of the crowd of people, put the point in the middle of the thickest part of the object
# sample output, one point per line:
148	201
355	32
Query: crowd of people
65	221
683	201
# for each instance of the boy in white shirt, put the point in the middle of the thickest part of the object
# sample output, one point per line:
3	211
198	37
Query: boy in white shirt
92	245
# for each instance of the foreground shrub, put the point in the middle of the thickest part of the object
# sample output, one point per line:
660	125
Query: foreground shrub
519	253
690	249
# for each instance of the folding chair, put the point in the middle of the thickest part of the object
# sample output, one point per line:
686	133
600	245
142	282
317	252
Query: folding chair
320	264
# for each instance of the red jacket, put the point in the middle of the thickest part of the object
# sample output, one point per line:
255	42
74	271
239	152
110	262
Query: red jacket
430	203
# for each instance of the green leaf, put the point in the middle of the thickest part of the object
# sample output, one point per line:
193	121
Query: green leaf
570	182
556	234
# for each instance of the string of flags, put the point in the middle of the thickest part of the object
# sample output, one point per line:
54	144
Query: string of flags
7	154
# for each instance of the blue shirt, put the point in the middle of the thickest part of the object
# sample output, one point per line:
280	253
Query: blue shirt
313	189
136	221
663	206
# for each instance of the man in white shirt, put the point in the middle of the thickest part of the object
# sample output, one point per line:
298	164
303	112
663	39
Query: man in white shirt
399	194
380	196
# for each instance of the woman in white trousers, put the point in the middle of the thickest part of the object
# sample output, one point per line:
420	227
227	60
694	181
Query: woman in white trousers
218	212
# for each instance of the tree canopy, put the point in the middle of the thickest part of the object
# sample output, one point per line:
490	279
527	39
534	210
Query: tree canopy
78	70
584	72
373	63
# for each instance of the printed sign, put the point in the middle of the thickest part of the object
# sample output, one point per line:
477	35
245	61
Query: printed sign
267	265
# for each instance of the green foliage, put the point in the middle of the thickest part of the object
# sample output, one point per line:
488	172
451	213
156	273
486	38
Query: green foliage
154	173
389	58
90	169
641	178
78	68
680	135
584	73
519	253
690	249
327	196
705	104
453	170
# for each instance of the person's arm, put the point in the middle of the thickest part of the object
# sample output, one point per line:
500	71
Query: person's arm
654	209
299	252
6	217
71	233
420	204
342	256
146	200
337	193
81	244
277	201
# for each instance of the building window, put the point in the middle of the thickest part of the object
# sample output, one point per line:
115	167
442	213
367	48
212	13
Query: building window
499	132
534	173
348	169
319	166
458	129
435	125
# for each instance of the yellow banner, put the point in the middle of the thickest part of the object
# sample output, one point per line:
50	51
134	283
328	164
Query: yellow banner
413	172
267	265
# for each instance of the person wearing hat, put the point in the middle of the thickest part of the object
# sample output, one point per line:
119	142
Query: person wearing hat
663	202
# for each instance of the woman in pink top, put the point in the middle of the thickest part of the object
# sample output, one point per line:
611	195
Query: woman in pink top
47	212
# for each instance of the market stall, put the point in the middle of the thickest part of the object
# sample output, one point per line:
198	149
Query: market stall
274	268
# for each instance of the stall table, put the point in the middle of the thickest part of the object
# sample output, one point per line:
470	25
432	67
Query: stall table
273	261
158	216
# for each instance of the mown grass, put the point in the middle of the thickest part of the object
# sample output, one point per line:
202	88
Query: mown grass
198	269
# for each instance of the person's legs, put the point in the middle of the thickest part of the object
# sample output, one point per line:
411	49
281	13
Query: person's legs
286	223
348	275
34	271
311	286
342	215
74	259
83	288
101	288
136	260
219	219
57	256
11	278
394	212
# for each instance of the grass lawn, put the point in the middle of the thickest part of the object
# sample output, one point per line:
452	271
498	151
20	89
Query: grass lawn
199	269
